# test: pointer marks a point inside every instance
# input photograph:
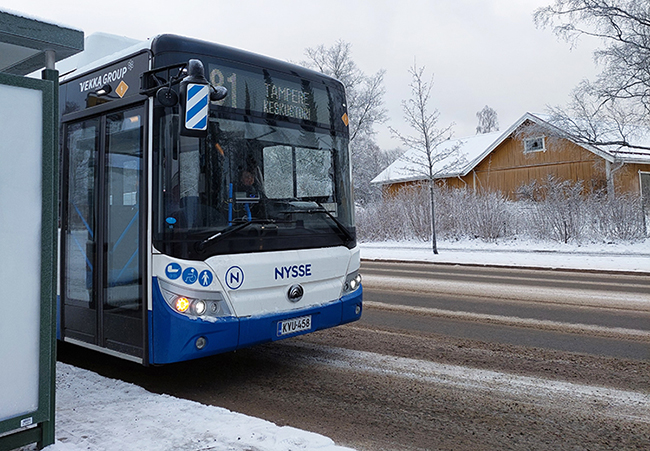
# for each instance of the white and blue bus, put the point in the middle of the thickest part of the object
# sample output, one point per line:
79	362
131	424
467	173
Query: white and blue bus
191	228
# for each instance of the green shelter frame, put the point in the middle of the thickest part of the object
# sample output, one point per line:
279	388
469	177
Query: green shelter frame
26	46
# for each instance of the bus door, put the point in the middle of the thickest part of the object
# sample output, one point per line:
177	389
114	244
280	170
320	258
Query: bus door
103	235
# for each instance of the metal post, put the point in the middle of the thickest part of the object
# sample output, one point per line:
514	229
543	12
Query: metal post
50	60
53	75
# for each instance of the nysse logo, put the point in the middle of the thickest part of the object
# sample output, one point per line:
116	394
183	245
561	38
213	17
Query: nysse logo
293	272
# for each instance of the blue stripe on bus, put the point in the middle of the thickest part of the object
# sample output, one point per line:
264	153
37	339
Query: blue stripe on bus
172	336
261	329
203	123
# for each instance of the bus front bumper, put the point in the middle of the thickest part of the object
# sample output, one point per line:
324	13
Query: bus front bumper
174	337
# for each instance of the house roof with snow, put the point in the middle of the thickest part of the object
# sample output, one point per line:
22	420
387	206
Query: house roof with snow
474	149
409	166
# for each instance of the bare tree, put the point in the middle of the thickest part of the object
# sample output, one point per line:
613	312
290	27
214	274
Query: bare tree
590	120
365	102
369	160
487	121
609	110
427	155
613	111
365	94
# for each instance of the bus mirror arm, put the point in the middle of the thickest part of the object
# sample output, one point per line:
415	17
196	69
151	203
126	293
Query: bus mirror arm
152	83
159	82
218	93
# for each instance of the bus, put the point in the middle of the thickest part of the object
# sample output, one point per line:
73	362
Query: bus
206	202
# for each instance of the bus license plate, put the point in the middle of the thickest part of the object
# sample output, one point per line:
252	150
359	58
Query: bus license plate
290	326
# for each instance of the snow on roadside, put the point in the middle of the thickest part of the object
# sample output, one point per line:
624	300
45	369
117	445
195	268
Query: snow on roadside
97	413
634	257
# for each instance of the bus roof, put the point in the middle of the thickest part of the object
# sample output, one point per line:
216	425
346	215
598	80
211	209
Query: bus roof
99	49
173	43
103	49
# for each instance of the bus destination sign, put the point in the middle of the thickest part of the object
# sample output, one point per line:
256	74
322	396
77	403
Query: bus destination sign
264	92
287	101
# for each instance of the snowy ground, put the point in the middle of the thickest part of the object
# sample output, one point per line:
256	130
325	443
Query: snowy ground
605	257
96	413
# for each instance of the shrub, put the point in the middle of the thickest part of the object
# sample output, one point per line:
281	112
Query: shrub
619	219
559	212
552	211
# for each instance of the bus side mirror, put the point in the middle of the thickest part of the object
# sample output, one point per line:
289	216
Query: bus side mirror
195	94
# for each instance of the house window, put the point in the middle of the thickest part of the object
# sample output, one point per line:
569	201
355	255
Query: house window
534	145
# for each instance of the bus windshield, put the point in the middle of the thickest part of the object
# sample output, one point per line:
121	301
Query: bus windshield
250	187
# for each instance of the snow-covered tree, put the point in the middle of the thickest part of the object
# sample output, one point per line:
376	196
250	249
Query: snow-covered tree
488	121
368	161
365	93
427	158
609	110
365	97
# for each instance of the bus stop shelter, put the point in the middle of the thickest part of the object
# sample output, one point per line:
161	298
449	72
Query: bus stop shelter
27	45
28	224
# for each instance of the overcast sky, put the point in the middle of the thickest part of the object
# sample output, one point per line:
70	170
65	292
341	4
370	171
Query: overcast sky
480	52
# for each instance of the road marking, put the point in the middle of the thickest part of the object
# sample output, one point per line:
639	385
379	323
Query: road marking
506	278
577	328
564	296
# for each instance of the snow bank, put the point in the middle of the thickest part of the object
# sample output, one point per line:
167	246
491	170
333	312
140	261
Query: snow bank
97	413
530	254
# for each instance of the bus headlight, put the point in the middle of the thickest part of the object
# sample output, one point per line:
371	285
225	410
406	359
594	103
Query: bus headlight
352	282
207	306
199	307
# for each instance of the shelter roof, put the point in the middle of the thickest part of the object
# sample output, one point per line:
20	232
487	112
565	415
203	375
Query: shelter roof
24	41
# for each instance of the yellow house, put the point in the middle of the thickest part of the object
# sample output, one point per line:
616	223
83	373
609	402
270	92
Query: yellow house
504	161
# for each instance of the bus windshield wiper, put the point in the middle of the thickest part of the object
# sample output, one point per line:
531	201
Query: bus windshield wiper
339	224
229	231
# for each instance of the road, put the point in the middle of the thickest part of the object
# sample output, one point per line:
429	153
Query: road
453	358
542	308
